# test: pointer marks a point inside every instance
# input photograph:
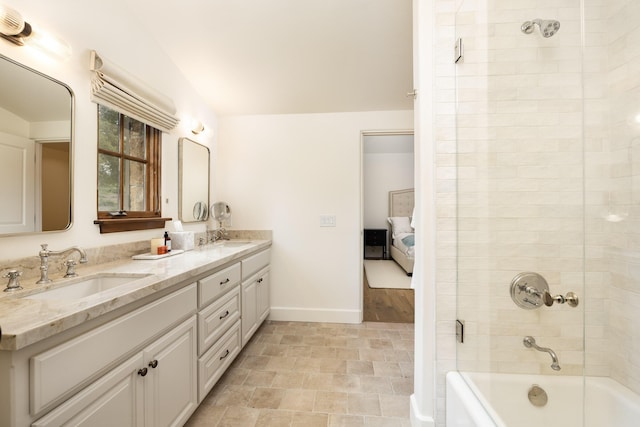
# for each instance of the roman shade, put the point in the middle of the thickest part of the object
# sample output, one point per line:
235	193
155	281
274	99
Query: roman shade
115	88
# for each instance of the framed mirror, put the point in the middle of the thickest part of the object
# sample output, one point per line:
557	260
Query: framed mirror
193	181
36	145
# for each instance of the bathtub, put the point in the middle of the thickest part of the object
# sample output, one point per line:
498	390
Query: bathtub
501	400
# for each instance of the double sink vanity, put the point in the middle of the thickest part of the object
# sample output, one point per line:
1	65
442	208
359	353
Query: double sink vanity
130	343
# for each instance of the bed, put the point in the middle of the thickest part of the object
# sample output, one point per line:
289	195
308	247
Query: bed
401	203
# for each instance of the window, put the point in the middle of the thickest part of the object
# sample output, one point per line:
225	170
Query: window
128	173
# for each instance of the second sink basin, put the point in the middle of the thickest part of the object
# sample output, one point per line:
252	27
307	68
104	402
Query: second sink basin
87	286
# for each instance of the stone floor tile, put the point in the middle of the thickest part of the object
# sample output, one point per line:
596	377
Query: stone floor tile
238	416
330	402
274	418
387	369
339	420
394	406
287	380
305	419
266	398
360	367
298	400
376	384
206	416
363	404
259	378
402	386
234	395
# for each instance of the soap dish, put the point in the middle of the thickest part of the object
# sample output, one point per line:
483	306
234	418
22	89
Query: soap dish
153	256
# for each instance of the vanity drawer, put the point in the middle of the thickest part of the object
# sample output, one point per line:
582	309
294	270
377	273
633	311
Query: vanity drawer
64	367
213	364
214	320
255	262
217	284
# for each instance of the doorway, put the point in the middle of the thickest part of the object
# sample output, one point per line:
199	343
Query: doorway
387	166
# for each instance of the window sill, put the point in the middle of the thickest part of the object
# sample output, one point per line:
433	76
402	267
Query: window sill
130	224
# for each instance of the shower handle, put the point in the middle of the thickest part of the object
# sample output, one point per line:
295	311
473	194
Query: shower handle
571	298
530	291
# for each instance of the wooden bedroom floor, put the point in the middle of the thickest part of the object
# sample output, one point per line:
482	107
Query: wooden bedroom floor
388	305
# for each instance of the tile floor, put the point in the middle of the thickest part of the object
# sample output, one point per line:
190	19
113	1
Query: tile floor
316	374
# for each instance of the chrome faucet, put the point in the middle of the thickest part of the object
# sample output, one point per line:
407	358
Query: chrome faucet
529	342
44	255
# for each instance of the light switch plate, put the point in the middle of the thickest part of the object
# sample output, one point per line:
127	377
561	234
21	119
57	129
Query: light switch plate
327	220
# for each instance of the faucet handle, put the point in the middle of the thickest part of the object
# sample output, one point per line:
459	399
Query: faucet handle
14	284
71	268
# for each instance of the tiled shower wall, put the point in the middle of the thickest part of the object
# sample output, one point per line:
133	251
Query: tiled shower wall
613	230
530	126
520	182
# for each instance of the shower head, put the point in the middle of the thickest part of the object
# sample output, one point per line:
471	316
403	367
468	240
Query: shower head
548	27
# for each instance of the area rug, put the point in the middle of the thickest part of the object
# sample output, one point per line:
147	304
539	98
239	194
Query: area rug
386	274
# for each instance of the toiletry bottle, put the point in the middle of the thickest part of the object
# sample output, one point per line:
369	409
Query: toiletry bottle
167	241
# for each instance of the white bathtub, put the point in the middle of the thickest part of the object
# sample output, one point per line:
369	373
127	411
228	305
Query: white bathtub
500	400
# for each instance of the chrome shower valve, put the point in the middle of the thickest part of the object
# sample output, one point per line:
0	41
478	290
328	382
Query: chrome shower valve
531	290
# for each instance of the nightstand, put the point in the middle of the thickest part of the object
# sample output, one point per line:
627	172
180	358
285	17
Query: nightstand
376	237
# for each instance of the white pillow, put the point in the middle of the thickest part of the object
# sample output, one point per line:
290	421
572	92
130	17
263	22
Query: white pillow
400	224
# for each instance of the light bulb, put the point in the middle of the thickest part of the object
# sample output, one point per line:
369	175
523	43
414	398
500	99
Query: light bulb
11	22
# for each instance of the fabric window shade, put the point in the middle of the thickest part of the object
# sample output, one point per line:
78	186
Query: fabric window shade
115	88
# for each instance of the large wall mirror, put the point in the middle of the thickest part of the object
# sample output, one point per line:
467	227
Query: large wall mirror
36	132
193	176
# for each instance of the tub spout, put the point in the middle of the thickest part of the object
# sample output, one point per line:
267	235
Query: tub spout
529	342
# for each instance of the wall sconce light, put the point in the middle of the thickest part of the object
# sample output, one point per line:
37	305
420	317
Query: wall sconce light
197	127
16	30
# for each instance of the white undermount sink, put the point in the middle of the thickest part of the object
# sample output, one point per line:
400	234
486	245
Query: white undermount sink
87	286
235	243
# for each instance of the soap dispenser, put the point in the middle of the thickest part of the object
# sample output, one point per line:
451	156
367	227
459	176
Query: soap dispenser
167	241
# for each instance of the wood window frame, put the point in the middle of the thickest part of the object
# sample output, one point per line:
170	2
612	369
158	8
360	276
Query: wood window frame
151	217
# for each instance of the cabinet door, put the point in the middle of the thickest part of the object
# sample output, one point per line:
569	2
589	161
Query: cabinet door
171	382
264	304
113	400
249	309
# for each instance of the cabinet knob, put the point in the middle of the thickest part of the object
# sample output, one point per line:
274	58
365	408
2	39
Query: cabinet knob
226	353
142	372
224	282
260	280
153	363
224	315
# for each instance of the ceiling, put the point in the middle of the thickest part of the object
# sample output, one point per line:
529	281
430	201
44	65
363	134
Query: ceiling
288	56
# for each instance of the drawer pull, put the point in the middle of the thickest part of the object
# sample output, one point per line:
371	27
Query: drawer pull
142	372
226	353
224	282
153	363
224	315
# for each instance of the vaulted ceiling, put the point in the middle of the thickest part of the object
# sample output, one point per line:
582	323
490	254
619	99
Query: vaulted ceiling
288	56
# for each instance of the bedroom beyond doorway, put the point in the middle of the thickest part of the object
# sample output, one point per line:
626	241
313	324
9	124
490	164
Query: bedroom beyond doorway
387	204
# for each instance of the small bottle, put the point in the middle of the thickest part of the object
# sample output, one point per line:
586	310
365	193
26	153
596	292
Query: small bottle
167	241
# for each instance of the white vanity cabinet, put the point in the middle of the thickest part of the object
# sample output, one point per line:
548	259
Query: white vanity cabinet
149	362
218	325
255	293
156	386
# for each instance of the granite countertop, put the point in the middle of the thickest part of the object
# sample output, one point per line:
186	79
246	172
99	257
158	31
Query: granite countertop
25	321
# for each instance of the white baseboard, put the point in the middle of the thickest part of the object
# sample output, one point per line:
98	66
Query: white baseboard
417	419
296	314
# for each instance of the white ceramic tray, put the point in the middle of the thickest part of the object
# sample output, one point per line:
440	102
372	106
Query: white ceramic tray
152	256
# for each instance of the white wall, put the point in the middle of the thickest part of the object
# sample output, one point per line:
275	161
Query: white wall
282	172
109	31
383	172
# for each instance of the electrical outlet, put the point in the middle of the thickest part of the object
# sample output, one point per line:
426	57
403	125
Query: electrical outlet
327	220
